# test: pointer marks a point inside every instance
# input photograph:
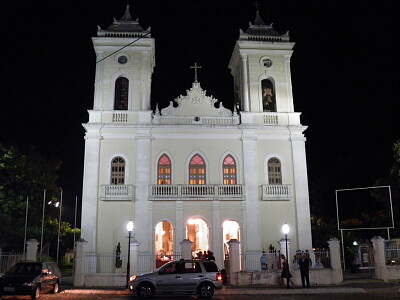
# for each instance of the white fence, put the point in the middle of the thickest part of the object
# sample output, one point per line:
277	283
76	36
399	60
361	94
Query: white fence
319	259
107	262
8	259
392	255
251	261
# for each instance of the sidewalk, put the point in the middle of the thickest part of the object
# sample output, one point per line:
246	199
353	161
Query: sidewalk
347	287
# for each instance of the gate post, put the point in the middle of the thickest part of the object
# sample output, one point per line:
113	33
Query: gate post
31	249
79	270
186	246
282	244
134	259
334	249
234	260
379	257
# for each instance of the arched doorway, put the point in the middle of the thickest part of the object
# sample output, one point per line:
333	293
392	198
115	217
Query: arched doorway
197	233
231	230
164	242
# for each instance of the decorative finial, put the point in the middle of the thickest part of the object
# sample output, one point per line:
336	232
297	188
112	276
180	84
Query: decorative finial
195	67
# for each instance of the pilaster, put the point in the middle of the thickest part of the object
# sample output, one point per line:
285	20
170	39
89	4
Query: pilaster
251	179
245	83
90	186
301	192
143	226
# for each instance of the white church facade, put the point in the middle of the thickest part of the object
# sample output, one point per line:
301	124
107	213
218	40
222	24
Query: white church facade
195	169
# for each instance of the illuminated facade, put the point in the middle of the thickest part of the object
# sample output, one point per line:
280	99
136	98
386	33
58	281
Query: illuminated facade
195	170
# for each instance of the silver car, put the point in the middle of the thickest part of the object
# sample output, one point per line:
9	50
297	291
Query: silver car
183	276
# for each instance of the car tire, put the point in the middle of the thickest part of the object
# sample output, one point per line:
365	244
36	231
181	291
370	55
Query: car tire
36	293
205	291
55	288
145	290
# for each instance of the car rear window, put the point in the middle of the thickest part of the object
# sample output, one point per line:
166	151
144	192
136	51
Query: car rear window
210	266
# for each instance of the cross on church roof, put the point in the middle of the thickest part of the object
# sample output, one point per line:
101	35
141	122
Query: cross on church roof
195	67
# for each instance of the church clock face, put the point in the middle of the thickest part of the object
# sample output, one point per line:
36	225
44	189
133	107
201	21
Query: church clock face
122	59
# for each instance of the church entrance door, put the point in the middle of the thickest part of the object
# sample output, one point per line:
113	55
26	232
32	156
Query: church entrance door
164	245
197	233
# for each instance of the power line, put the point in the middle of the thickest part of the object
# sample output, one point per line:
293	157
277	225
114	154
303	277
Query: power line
147	33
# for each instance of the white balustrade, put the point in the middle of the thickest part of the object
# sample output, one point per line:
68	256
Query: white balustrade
211	192
117	192
276	192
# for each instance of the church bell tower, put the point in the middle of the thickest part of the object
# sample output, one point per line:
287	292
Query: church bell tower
124	66
260	65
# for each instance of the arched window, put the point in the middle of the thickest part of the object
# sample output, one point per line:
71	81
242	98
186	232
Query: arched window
197	170
118	171
121	94
274	171
164	170
229	170
268	95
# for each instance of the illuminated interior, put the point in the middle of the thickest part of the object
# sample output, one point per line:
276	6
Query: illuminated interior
230	231
197	232
164	238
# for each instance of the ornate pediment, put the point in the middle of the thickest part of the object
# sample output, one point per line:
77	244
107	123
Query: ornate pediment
196	103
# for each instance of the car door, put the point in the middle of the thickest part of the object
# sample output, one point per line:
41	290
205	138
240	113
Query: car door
190	276
169	277
45	278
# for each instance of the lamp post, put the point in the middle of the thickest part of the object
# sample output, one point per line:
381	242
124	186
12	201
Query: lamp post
129	227
285	230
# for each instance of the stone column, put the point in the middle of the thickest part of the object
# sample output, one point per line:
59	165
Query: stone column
31	249
336	262
186	248
282	243
134	259
245	83
234	260
179	229
217	245
79	268
379	256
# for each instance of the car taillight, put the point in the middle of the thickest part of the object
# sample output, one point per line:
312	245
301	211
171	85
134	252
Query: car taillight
218	277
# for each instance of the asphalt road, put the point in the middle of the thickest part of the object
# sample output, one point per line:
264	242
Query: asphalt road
361	296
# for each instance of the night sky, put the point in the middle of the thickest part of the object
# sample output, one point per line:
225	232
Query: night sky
345	74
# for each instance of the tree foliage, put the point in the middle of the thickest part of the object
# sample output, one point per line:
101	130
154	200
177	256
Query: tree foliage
24	175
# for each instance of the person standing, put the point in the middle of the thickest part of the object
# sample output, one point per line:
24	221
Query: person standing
304	264
263	261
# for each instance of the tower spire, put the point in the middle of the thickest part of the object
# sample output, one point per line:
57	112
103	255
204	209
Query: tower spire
127	15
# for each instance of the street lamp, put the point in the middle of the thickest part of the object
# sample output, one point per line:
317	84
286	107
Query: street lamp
285	230
129	227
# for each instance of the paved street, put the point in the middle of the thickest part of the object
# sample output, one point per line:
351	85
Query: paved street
360	289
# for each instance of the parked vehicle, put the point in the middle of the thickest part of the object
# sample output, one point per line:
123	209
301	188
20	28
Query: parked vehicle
31	278
176	277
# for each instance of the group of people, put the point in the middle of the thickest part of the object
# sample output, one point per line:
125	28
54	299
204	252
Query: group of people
207	255
304	265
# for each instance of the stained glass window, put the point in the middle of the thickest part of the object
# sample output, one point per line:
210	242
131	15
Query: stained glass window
164	170
197	170
229	170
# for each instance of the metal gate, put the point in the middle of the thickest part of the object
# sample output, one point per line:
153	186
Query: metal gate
366	269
